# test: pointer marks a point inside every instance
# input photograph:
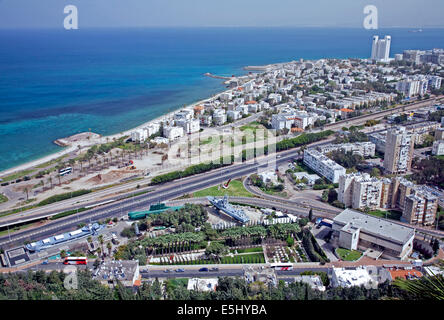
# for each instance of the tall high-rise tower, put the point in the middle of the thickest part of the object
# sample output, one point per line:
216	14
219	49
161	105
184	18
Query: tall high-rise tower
381	48
398	151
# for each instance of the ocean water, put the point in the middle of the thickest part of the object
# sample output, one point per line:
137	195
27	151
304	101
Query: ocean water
56	83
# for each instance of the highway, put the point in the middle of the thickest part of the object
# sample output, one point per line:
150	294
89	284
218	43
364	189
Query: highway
223	270
98	197
165	192
162	193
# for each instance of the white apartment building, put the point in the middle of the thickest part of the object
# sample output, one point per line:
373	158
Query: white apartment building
226	96
398	150
184	115
219	117
287	120
381	48
189	125
173	132
139	135
413	86
359	190
364	149
206	120
438	148
152	128
323	165
243	109
234	114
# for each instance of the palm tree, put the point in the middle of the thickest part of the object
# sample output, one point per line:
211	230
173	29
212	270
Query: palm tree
426	288
72	163
50	181
109	246
26	190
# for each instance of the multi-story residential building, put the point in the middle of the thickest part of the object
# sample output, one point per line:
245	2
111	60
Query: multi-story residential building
206	120
402	189
364	149
438	148
409	87
398	151
420	208
172	132
323	165
359	191
381	49
139	135
439	133
188	125
413	55
234	114
219	117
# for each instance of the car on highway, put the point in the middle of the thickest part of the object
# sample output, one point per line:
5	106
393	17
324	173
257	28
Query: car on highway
203	269
180	270
214	269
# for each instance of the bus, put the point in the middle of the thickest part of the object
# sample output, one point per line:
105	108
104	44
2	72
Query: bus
75	260
282	266
65	171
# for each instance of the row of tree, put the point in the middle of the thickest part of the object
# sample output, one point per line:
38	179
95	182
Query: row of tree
49	286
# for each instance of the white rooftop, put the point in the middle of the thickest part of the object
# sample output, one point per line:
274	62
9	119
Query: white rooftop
376	226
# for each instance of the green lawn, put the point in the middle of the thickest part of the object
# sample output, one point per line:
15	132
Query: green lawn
348	255
17	175
246	250
253	126
235	188
174	283
391	214
3	198
244	258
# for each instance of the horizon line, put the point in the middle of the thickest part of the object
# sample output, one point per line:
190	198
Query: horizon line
224	26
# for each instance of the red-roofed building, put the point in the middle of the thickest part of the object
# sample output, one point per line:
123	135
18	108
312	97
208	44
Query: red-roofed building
404	273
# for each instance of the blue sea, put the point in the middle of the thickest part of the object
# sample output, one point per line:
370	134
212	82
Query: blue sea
56	83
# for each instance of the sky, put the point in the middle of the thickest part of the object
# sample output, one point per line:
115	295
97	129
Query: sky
212	13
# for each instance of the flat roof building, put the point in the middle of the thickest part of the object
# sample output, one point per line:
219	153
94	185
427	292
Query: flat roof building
124	271
354	229
323	165
346	278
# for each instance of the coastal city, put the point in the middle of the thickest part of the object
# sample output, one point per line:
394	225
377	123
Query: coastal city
308	179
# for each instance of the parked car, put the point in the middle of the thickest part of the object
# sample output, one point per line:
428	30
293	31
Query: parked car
203	269
180	270
214	269
166	271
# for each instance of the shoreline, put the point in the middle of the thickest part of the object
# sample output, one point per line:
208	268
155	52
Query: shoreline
100	140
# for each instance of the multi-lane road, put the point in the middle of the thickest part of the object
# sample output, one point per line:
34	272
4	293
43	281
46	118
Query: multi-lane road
161	193
164	192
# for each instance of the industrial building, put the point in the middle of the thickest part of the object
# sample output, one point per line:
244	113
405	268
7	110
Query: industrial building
355	230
